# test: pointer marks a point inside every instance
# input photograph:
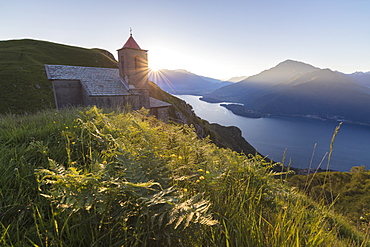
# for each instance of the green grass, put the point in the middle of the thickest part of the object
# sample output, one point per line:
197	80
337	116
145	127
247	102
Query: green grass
24	87
88	178
348	191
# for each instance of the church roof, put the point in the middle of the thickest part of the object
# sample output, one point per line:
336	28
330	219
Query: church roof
96	81
156	103
131	43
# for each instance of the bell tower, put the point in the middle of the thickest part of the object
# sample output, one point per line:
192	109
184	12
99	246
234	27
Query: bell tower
133	64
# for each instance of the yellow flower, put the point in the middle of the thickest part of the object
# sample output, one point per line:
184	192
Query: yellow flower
104	162
207	172
66	127
185	190
197	181
73	162
73	143
200	170
44	151
201	177
180	157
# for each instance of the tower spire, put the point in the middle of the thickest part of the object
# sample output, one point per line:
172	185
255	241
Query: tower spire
130	31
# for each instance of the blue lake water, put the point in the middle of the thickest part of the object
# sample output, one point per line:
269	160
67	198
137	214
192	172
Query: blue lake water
305	142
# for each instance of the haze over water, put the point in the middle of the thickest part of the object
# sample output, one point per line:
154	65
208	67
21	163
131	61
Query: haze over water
304	141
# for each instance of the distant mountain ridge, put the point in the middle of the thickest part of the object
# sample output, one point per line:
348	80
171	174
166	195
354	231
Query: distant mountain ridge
297	89
362	78
185	82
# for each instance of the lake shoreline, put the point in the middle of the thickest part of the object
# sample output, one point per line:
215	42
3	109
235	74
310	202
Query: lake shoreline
300	140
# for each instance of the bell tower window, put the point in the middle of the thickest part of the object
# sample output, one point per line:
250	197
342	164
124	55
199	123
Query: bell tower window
137	63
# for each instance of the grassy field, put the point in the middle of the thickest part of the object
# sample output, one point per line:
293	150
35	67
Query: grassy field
85	177
24	87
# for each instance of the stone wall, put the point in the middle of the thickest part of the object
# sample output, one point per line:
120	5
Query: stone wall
160	113
67	93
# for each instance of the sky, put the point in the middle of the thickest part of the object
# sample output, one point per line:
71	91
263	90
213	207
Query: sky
215	38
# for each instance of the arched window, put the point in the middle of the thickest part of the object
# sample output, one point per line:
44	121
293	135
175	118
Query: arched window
137	63
122	66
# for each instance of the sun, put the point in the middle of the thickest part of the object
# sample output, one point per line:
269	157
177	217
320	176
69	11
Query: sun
154	69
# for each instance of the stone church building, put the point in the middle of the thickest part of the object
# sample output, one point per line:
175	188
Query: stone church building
107	87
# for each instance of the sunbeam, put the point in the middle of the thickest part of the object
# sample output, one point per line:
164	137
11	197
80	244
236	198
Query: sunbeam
159	78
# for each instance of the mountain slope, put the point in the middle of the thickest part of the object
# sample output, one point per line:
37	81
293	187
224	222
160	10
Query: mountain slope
300	90
184	82
86	178
362	78
245	90
23	83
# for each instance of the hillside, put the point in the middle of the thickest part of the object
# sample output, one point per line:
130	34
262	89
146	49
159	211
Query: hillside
24	87
23	83
226	137
297	89
84	177
184	82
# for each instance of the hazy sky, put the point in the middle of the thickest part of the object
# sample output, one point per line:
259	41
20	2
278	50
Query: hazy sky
213	38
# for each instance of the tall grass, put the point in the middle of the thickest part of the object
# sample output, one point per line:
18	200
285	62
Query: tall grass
88	178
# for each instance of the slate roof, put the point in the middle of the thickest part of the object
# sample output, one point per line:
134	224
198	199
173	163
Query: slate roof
96	81
156	103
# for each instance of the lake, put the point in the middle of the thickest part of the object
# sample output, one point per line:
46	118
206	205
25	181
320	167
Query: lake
301	141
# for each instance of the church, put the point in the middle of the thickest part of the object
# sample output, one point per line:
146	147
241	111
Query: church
108	87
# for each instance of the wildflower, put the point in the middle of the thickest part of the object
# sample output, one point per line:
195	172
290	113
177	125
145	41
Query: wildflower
180	157
73	162
75	126
66	127
197	181
207	172
173	155
54	122
200	170
201	177
44	152
185	190
73	143
104	162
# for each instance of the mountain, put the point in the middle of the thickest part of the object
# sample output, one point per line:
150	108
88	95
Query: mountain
24	87
261	82
237	78
297	89
184	82
362	78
